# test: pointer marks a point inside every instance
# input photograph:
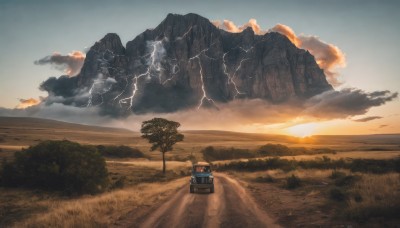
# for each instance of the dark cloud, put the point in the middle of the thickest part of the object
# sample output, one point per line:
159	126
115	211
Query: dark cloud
60	112
345	103
71	63
237	115
366	119
383	125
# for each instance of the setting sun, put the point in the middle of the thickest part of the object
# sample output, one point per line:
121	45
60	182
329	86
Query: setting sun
302	130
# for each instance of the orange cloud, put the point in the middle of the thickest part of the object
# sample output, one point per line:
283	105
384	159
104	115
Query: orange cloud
25	103
288	32
328	56
253	24
230	26
71	63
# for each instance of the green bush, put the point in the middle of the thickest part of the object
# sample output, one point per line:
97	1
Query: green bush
293	182
120	152
57	165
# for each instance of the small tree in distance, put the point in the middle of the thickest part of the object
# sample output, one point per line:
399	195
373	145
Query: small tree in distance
162	134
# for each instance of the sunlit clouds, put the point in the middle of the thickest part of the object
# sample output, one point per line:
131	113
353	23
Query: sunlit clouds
70	64
328	56
303	130
25	103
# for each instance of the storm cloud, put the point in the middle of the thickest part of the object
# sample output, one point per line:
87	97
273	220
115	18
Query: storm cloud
345	103
70	64
237	115
368	118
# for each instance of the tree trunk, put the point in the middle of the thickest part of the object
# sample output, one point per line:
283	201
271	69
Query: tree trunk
163	160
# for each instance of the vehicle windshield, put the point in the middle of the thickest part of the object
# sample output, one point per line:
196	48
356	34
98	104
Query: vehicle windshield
201	169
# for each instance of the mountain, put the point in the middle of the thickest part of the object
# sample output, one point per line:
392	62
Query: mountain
187	62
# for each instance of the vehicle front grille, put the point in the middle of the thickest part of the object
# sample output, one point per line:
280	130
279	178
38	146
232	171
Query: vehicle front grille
202	180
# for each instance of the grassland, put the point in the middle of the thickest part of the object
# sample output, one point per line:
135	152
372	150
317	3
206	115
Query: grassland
137	182
324	200
16	133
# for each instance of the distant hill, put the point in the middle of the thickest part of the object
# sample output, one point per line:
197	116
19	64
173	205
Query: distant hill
17	132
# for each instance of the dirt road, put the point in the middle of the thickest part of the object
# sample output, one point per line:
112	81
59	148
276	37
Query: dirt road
229	206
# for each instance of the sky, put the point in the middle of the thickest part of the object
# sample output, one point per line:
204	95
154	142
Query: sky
367	32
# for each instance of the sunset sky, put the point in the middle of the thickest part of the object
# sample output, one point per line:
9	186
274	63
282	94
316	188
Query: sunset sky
367	32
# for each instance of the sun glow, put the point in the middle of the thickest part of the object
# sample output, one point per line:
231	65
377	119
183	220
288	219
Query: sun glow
302	130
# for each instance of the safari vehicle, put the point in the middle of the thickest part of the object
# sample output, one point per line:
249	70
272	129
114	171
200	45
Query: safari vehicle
202	177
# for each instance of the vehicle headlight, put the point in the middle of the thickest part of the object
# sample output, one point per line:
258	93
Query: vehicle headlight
193	180
211	180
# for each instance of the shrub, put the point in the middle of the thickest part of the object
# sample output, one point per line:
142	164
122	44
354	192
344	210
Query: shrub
274	150
57	165
371	166
120	151
267	179
119	183
212	154
346	180
282	150
293	182
337	194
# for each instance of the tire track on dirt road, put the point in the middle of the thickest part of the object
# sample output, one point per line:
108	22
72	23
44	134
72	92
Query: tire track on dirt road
229	206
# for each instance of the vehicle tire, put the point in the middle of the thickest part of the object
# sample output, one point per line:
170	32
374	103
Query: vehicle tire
191	189
212	189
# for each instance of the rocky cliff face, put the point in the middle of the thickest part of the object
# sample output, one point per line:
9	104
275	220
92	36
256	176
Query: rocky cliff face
187	62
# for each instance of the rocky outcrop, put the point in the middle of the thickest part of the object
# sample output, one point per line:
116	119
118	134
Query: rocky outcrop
187	62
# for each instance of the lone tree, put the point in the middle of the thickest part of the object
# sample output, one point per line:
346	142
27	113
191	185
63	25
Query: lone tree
162	133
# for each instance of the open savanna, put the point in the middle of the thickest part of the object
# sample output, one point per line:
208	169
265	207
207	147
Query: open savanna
17	133
137	183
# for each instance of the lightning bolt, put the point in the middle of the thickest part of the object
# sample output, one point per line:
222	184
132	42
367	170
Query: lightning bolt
185	34
100	83
175	69
103	91
153	68
246	50
204	97
232	77
123	91
134	90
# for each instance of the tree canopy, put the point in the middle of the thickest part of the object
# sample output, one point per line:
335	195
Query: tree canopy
162	134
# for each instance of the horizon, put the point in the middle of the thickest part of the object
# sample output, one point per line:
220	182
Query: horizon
199	130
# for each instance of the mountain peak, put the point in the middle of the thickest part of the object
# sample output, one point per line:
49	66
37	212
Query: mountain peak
186	62
111	42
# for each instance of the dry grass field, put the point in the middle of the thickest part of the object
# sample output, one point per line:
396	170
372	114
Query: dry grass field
137	183
17	133
98	211
322	200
